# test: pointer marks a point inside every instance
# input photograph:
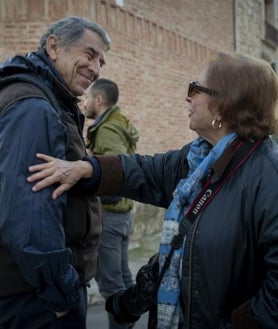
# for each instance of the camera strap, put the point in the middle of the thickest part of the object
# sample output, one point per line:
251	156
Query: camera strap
243	150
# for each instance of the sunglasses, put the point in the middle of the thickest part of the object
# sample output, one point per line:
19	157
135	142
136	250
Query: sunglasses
194	88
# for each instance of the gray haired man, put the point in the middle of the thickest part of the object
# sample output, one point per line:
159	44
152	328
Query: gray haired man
48	249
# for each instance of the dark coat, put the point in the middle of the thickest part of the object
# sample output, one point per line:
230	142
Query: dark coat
45	246
230	263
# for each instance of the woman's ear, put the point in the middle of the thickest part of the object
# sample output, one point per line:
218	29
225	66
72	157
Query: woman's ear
217	116
52	46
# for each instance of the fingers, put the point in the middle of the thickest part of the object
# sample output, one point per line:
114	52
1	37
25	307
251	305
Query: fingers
39	167
43	183
60	190
45	173
55	170
43	170
40	175
46	158
47	182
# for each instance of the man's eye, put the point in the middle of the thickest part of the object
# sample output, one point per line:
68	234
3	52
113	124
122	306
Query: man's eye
90	55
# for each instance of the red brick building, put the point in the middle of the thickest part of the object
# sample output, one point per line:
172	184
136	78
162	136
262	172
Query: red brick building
158	46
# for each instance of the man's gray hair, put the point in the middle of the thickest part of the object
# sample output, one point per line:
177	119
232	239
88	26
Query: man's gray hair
70	30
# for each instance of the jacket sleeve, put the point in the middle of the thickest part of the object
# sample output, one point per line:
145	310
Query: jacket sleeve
153	179
144	178
264	305
32	223
261	310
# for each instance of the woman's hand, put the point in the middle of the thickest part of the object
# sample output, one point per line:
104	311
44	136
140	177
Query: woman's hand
54	170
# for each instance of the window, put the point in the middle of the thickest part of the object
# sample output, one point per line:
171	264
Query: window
270	16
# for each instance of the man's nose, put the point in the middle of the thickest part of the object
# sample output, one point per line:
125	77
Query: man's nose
188	99
95	67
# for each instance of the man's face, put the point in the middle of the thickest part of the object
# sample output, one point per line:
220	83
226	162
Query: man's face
90	105
79	65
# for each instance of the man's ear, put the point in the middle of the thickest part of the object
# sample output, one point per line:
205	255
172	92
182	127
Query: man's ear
52	46
99	99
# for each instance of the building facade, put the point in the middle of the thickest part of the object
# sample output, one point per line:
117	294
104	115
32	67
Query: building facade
256	29
158	46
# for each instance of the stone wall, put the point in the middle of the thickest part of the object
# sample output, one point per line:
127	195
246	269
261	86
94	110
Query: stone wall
249	32
147	220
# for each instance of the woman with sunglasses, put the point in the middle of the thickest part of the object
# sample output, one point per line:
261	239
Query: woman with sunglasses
224	273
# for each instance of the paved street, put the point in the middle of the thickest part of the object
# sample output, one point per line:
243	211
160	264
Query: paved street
138	256
97	318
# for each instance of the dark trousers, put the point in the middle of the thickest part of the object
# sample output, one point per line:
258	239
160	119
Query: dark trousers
113	272
28	312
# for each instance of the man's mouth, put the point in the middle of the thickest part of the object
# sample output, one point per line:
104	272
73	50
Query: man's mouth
89	78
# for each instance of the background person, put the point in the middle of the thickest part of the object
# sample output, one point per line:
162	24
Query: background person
48	250
111	133
228	277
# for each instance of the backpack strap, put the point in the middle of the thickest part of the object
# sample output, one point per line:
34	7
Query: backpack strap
24	85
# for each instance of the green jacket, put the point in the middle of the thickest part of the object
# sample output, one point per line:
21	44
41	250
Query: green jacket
113	133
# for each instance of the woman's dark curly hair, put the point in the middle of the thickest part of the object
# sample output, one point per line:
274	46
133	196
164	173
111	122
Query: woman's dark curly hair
248	94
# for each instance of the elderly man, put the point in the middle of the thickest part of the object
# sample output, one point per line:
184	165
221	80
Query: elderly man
47	249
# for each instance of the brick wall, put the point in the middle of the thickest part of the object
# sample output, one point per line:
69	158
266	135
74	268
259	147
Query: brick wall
158	46
208	22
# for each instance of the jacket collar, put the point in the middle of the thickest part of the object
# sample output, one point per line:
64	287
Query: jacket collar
38	63
221	164
59	87
102	118
218	168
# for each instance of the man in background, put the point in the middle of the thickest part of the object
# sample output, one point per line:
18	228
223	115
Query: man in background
111	133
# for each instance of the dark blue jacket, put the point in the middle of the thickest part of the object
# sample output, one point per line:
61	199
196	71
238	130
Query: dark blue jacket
45	246
230	263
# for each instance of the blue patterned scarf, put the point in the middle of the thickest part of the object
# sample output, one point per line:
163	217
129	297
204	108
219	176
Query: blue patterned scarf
200	159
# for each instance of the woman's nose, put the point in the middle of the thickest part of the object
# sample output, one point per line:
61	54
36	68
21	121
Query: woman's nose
188	99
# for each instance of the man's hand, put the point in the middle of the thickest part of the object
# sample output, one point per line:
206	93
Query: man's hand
54	170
